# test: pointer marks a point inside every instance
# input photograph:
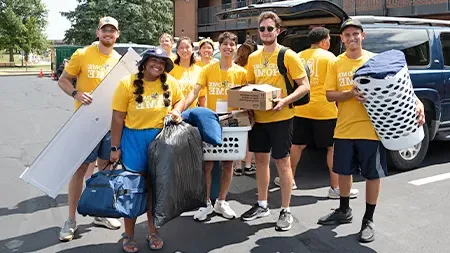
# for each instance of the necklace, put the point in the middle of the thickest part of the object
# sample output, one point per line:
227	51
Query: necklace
266	60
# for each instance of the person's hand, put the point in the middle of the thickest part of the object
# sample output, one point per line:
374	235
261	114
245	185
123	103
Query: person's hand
176	116
420	111
83	97
280	102
356	94
115	156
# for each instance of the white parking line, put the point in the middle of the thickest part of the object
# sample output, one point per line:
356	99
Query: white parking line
432	179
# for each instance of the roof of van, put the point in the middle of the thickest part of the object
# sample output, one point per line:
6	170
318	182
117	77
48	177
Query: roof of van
400	21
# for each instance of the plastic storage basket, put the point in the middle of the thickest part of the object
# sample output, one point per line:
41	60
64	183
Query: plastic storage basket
391	105
233	147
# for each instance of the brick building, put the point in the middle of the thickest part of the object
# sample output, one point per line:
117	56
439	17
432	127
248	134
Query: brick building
196	18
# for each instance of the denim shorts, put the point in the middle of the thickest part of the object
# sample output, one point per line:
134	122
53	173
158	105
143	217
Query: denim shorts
365	157
102	150
135	143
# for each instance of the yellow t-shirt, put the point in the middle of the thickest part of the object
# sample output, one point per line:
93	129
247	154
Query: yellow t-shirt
201	64
187	79
151	112
217	82
260	73
318	107
353	121
90	66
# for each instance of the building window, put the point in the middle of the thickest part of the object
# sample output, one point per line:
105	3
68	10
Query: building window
241	3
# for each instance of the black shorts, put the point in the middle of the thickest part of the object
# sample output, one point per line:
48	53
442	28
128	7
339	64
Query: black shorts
274	136
310	131
365	157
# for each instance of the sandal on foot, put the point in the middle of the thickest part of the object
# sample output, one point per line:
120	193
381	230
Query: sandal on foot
129	242
155	242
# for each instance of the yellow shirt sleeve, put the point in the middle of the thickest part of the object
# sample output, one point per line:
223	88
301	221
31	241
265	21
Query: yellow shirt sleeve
244	78
250	76
202	80
331	77
121	96
177	93
294	65
73	68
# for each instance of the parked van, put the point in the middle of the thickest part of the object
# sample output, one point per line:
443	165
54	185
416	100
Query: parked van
425	43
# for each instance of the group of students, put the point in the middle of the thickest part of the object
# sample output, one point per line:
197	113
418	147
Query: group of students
167	84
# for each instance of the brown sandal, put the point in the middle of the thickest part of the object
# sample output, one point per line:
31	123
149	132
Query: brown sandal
155	242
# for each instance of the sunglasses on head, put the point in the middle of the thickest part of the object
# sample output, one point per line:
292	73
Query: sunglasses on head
269	28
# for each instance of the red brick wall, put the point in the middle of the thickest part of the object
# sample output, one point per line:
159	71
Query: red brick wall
186	19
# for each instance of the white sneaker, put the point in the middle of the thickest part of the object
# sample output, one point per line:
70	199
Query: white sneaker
68	230
333	193
203	212
110	223
277	182
224	209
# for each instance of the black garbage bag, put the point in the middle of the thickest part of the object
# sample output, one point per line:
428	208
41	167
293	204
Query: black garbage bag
176	173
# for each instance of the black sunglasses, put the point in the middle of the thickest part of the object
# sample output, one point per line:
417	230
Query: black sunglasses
269	28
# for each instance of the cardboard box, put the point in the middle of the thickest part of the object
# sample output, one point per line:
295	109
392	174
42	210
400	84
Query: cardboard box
253	96
235	119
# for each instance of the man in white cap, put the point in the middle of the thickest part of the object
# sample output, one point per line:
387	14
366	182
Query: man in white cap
89	65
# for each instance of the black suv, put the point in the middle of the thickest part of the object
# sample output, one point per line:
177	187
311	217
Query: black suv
425	43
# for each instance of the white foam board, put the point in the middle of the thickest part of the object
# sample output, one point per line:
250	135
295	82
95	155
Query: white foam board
64	154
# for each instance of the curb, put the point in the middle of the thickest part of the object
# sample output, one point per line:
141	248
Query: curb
25	74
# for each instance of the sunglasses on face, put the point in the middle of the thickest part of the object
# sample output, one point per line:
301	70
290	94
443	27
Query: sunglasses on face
268	28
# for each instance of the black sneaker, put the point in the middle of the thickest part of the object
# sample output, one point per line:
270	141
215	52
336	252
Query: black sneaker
250	170
255	212
337	217
284	221
367	233
237	171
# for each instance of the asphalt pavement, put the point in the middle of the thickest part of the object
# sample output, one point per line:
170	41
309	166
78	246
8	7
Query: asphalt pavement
409	218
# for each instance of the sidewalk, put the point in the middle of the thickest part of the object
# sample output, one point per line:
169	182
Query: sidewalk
23	71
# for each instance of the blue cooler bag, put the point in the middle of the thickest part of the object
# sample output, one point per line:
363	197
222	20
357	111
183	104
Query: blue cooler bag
114	194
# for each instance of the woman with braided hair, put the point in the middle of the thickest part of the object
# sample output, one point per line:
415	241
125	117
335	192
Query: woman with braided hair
140	104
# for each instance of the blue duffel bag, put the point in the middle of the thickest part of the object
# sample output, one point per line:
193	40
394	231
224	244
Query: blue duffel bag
114	193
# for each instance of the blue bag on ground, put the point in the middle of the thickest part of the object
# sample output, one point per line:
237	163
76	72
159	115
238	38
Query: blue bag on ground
382	65
114	194
176	173
207	122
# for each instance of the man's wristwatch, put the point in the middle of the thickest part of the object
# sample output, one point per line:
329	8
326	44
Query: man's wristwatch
115	148
74	93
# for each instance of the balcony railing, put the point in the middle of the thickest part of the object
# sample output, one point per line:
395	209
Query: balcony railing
207	21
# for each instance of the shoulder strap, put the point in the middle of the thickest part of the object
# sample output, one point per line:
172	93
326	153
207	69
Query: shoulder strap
280	61
283	71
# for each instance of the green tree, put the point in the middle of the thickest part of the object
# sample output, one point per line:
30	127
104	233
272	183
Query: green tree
140	21
22	26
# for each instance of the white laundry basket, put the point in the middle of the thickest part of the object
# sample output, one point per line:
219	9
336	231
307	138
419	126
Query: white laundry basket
233	147
391	105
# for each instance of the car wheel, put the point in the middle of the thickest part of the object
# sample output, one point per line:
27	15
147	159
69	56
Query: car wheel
410	158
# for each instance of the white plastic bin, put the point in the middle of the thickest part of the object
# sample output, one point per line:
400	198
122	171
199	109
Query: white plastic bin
391	105
233	147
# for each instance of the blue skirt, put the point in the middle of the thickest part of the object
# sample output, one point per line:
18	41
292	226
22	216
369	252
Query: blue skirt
135	143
